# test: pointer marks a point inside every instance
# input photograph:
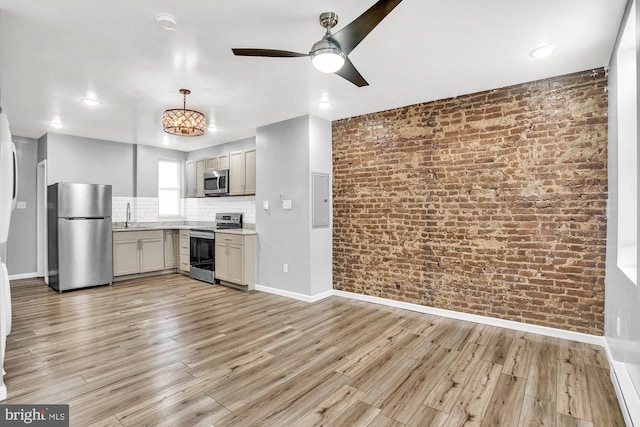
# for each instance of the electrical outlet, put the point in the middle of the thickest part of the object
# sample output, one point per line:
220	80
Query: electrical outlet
285	268
21	205
286	204
265	205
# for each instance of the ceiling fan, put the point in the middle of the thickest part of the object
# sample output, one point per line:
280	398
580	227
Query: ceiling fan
330	54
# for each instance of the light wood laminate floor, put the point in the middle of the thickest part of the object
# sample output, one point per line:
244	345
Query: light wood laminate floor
172	351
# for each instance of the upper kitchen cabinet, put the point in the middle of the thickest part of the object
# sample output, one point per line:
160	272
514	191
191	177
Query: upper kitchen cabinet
223	161
242	172
194	177
250	171
218	162
200	168
211	163
190	178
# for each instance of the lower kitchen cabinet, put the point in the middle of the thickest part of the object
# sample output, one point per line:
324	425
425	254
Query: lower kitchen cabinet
125	255
236	259
138	252
171	248
152	253
184	252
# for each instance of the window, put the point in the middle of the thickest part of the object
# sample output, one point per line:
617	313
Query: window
168	188
627	151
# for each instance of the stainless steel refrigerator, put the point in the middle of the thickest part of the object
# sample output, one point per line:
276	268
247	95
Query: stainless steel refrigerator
79	231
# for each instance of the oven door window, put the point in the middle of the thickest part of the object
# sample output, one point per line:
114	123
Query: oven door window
202	255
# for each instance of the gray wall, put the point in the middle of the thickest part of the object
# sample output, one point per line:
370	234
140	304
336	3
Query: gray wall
285	236
147	168
241	144
321	243
42	148
22	243
622	296
92	161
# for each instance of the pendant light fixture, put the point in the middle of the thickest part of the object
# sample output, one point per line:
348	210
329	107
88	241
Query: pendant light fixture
183	122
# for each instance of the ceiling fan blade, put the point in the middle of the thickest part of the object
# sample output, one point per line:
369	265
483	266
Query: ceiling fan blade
273	53
350	36
349	72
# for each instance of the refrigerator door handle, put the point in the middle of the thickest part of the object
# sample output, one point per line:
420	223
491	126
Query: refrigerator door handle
15	177
85	218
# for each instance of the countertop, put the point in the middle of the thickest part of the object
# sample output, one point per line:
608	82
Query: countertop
146	226
241	231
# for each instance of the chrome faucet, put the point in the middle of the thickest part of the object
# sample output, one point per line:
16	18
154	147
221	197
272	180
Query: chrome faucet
128	216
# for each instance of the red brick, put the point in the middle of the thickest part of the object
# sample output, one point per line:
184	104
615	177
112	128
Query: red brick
491	203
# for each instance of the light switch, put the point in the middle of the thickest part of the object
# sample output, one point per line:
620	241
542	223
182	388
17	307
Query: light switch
265	205
21	205
286	204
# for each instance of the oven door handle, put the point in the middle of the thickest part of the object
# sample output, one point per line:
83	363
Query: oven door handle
203	234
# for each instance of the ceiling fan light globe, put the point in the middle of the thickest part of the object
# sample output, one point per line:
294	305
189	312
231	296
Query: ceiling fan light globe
328	61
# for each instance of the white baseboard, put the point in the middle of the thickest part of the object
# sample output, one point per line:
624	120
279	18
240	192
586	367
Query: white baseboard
485	320
625	390
294	295
23	276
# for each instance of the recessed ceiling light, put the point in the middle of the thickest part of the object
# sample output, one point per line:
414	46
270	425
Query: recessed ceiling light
90	102
324	104
213	128
543	51
166	21
166	143
56	123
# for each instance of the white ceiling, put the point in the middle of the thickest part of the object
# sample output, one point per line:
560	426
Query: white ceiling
52	53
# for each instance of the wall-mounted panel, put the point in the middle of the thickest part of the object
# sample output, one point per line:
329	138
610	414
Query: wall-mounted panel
320	200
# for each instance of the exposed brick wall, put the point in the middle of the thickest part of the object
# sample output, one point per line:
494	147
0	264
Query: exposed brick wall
492	203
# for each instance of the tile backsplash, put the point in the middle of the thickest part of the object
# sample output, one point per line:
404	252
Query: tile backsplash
145	209
119	208
205	209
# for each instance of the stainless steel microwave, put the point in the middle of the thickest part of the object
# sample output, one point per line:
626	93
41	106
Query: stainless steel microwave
216	182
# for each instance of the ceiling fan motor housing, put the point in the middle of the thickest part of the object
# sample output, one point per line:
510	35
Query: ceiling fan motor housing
328	20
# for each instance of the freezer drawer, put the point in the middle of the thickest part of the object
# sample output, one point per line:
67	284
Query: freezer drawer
84	253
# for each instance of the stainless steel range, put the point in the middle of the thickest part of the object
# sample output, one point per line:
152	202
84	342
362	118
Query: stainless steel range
202	254
203	243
